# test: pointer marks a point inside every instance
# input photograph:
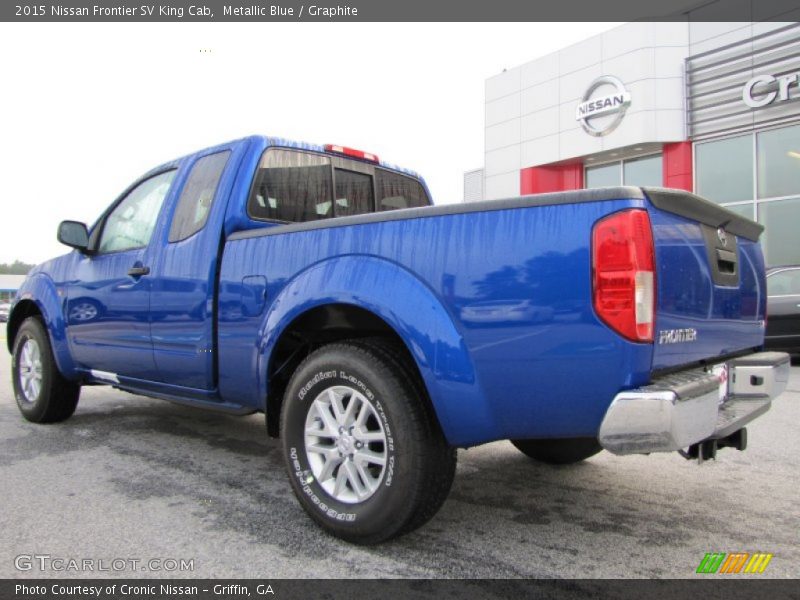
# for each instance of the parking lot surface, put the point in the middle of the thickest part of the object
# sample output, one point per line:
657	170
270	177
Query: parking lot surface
134	478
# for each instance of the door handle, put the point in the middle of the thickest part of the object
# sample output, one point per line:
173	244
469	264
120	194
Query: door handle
139	271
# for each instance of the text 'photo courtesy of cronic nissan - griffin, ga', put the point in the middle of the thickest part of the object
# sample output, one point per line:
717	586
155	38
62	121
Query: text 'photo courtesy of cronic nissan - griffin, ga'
379	333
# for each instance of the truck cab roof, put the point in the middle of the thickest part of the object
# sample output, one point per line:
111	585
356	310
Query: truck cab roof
276	142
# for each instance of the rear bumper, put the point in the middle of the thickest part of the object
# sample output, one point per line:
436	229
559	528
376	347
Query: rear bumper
685	408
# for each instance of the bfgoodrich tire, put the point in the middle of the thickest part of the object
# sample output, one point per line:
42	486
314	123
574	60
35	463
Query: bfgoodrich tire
43	395
559	451
365	457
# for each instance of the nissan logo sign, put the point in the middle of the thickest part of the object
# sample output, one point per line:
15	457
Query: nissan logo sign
770	89
612	104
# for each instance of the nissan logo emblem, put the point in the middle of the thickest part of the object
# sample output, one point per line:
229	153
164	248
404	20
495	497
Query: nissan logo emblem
590	107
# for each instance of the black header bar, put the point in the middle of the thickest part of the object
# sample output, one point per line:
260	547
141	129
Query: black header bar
710	587
398	10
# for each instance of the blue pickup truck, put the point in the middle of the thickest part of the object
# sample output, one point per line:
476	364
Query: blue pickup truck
378	333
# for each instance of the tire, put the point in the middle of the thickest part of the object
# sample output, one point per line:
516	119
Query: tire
43	395
441	476
559	451
390	470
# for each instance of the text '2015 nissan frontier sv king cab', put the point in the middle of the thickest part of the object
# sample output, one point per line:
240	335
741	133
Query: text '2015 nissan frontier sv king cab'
378	333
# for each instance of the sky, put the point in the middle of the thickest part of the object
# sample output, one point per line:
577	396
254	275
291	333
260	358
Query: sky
86	108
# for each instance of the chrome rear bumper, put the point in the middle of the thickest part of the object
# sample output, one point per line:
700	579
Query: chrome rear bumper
685	408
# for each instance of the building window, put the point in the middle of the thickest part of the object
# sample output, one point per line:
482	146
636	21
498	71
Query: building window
779	240
643	171
779	162
604	176
725	169
758	176
746	209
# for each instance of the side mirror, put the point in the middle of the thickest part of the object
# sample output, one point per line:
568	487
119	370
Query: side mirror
74	234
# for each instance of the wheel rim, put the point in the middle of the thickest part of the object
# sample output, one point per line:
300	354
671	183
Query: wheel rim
345	444
83	312
30	370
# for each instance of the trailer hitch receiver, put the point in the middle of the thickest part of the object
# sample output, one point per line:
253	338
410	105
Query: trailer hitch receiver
707	449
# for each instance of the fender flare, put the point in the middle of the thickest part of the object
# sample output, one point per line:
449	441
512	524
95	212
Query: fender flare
41	290
412	310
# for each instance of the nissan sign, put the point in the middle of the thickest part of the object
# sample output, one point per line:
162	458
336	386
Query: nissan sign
763	90
592	107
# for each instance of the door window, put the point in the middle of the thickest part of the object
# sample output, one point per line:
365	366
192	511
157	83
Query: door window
197	196
130	225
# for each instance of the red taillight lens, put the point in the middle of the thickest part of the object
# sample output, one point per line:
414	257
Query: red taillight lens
623	272
352	152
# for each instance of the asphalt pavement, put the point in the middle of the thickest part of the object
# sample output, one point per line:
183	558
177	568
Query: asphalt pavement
133	479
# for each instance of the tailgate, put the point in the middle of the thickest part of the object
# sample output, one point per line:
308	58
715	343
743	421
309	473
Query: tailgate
711	290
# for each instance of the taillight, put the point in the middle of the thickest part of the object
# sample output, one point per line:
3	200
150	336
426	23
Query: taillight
623	273
352	152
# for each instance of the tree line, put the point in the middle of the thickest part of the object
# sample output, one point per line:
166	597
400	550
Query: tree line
16	268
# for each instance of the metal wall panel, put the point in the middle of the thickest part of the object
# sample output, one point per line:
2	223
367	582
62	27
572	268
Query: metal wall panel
715	82
473	186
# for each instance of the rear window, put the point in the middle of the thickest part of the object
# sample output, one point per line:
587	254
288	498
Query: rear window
354	193
398	191
293	186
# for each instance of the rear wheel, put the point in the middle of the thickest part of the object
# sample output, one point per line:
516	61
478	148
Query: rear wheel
361	447
559	451
43	395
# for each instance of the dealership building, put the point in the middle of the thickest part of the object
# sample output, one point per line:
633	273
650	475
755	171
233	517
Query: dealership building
712	108
9	284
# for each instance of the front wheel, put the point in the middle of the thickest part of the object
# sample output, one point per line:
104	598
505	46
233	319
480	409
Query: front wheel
365	457
559	451
43	395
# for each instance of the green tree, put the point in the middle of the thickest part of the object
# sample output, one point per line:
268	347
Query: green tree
16	268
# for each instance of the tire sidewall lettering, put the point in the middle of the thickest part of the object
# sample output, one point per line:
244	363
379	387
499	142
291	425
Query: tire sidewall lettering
300	468
305	479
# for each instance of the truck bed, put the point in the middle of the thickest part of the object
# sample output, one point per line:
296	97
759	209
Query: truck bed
495	300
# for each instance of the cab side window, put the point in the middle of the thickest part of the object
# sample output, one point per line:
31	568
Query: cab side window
197	196
130	225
